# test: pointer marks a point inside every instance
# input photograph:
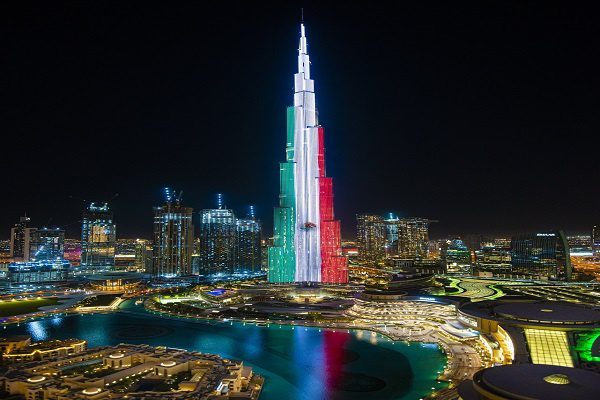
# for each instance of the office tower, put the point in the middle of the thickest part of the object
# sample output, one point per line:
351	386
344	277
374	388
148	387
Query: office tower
596	240
413	238
20	236
218	236
143	256
47	245
173	238
493	257
496	251
307	236
457	256
98	239
370	239
248	245
391	235
125	255
542	255
72	251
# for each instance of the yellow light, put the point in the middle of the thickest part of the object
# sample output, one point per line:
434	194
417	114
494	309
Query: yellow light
548	347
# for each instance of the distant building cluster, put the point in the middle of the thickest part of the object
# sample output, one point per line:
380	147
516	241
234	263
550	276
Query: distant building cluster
223	245
392	243
226	246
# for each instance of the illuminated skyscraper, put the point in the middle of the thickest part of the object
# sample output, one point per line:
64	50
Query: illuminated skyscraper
370	238
218	236
98	239
307	239
20	236
413	238
173	238
248	246
47	245
457	256
391	235
542	255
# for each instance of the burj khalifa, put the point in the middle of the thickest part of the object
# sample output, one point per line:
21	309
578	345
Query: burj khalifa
307	240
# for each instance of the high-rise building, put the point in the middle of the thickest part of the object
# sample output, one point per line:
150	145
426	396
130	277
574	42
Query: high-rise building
307	238
173	238
72	251
218	238
20	236
391	235
541	255
47	245
596	240
370	239
413	238
457	256
248	244
143	256
98	239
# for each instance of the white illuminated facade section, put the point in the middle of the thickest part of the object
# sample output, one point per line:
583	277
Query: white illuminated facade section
306	145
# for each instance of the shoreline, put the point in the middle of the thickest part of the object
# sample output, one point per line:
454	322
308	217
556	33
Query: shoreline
451	371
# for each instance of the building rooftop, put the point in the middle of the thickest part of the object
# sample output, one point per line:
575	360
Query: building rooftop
549	312
530	381
115	275
534	313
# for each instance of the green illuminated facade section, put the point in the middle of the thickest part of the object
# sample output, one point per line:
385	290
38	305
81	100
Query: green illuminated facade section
282	256
585	346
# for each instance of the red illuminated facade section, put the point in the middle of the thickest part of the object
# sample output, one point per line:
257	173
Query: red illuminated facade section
334	266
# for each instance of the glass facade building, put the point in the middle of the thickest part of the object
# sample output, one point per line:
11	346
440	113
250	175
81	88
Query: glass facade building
457	256
413	238
20	236
391	235
218	240
542	255
47	244
370	239
248	251
173	243
98	239
38	271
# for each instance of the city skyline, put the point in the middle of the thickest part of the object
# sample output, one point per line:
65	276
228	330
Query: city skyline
209	262
451	87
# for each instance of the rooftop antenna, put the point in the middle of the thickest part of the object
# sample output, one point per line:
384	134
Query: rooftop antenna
219	200
167	194
302	14
251	212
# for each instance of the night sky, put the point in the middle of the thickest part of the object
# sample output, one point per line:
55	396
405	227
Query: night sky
481	115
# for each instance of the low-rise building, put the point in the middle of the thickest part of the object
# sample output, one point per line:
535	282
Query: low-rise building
133	372
20	349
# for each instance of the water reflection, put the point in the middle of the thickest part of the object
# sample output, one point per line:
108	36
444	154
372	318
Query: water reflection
298	363
37	330
335	356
